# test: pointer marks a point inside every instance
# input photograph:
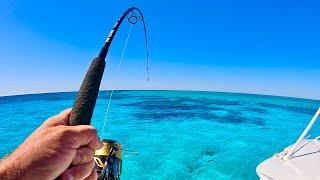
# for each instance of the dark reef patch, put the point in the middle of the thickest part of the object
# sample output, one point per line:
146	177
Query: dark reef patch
233	118
160	109
256	110
269	105
294	109
219	102
208	153
301	110
182	103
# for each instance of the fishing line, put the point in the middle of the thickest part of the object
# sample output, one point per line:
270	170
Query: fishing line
146	46
116	77
133	19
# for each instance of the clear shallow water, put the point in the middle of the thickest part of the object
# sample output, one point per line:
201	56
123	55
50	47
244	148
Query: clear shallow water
177	134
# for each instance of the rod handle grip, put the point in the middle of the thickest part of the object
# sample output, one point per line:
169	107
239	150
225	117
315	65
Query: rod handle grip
84	104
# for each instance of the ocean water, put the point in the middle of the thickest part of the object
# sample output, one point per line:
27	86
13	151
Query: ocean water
176	134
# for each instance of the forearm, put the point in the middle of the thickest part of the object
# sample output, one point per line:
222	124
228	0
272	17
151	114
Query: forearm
10	168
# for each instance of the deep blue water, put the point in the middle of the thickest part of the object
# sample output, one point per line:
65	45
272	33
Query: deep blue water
177	134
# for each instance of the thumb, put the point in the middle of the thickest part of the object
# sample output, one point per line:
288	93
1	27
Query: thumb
60	119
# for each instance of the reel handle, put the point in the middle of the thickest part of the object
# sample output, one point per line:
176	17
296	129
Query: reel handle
86	98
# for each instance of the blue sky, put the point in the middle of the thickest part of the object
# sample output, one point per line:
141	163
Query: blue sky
263	47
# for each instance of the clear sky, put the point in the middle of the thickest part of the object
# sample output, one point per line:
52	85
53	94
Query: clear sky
264	47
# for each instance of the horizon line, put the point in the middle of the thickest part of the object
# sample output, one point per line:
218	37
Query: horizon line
192	90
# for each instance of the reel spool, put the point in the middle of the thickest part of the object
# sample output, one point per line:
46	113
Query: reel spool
108	160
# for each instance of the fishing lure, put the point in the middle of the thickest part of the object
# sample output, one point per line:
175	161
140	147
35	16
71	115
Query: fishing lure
108	159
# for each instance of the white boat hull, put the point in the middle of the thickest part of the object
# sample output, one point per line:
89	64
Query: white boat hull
304	164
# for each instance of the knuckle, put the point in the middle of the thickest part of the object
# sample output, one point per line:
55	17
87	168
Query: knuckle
89	152
84	155
92	164
66	131
49	121
67	136
86	129
92	129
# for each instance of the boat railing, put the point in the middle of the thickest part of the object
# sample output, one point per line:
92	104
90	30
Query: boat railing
317	138
302	136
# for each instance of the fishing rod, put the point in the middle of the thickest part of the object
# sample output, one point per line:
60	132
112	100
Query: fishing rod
108	159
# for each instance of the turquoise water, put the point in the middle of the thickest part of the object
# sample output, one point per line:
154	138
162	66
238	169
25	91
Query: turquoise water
177	134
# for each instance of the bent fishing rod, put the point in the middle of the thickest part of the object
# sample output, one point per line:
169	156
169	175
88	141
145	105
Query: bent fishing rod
108	159
87	95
